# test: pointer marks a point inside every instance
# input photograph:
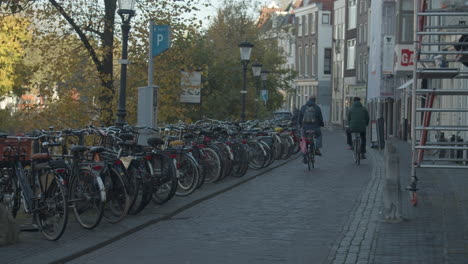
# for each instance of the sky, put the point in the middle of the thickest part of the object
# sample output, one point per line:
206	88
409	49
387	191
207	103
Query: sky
211	11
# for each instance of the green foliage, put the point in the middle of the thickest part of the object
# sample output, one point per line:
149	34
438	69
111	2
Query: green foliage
219	51
70	64
14	36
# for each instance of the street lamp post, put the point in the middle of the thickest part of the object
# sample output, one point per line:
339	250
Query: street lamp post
256	70
245	51
126	12
264	75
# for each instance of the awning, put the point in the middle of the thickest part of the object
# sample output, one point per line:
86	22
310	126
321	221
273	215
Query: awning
405	85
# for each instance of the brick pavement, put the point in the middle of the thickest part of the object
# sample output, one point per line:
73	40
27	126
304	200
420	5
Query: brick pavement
355	241
436	231
290	216
33	248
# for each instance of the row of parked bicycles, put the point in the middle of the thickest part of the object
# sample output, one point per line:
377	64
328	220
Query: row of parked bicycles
107	173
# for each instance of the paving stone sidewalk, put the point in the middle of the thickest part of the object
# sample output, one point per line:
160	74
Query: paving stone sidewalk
33	248
435	231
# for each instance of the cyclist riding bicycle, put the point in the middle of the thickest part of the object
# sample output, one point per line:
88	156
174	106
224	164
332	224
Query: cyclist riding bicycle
358	120
310	118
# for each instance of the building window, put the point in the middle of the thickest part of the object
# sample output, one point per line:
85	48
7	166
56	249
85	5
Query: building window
365	33
299	64
366	67
360	34
351	14
307	60
327	62
312	61
406	5
306	25
358	69
406	32
351	54
299	26
325	18
312	23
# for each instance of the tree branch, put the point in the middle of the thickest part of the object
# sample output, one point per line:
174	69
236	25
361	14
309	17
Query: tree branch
80	33
92	30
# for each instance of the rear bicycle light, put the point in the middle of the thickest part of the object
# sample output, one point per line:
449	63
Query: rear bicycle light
118	162
60	170
97	167
173	156
148	157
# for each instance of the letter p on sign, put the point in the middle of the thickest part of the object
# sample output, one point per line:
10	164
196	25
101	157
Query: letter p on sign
161	39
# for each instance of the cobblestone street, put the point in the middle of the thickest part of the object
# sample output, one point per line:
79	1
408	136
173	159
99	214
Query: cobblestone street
331	215
290	215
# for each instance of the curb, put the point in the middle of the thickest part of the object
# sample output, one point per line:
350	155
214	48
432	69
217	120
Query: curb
171	214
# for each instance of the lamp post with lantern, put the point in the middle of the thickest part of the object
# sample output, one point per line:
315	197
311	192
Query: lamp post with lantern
256	70
264	74
245	51
126	12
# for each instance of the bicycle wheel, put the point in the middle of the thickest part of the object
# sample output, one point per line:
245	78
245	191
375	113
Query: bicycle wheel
164	178
188	175
268	152
357	154
240	160
52	214
287	146
414	198
10	194
311	156
117	199
87	196
212	165
144	188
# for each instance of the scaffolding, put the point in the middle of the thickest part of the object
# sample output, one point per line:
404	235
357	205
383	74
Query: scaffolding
441	50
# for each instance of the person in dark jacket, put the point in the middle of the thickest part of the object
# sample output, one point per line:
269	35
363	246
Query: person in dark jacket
358	120
316	125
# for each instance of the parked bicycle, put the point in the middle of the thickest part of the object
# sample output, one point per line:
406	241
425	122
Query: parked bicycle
32	180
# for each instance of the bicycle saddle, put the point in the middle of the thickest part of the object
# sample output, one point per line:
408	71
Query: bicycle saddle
155	141
97	149
78	149
126	136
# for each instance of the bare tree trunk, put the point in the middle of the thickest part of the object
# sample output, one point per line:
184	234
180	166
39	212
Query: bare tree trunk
104	67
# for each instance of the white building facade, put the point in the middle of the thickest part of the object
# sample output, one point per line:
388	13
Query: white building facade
314	55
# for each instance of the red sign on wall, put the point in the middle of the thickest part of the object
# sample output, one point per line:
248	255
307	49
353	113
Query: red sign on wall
404	57
407	57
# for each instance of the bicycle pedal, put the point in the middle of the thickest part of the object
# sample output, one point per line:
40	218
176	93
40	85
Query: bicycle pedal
409	188
29	228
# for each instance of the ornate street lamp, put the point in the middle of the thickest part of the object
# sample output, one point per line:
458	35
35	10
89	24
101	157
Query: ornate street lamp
126	12
257	71
245	51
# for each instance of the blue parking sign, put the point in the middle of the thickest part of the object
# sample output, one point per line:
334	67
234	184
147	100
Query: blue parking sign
264	95
161	39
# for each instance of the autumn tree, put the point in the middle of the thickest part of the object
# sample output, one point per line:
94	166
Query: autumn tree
14	36
219	52
93	22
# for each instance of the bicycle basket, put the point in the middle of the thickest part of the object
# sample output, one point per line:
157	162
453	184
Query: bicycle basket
12	147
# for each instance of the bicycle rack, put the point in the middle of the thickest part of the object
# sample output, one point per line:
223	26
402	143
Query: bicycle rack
441	57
